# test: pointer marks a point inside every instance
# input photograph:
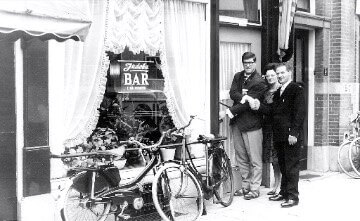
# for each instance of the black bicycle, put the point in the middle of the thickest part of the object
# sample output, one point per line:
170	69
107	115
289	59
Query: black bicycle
184	185
96	192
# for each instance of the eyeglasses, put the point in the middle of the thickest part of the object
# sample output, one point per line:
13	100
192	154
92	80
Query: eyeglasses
248	63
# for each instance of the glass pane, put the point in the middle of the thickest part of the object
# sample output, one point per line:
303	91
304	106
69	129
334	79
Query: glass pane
303	5
248	9
36	116
134	105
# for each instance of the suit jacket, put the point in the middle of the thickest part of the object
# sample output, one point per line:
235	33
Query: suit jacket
245	118
288	112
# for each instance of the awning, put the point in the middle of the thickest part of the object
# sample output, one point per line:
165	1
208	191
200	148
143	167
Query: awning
65	19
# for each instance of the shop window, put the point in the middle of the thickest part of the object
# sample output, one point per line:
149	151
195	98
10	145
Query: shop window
247	9
303	5
134	105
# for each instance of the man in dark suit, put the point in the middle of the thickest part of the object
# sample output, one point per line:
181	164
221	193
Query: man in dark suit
288	114
246	126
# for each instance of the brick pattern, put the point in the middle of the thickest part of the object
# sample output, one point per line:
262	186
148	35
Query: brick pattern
321	126
334	112
340	55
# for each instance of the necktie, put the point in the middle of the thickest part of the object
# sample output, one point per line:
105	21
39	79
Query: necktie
245	78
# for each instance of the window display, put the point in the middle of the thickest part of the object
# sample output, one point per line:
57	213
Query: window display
134	105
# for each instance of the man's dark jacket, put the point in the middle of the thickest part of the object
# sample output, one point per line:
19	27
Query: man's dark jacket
288	112
245	118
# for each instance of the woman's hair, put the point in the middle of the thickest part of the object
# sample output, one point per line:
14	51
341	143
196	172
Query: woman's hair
269	66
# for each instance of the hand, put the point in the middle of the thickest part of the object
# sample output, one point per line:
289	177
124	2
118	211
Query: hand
222	114
254	104
292	140
244	99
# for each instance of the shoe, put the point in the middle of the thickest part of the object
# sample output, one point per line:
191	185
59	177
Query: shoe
289	203
252	195
277	197
241	192
272	192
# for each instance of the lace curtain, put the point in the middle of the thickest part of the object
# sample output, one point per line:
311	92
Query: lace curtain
136	24
184	61
230	63
176	29
84	81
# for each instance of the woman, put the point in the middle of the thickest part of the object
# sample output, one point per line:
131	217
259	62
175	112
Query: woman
269	153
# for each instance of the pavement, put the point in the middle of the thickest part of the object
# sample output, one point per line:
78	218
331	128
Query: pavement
323	196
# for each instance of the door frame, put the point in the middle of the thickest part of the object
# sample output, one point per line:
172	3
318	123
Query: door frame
310	90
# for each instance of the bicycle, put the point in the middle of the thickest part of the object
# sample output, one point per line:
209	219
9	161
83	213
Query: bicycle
95	191
354	150
347	149
177	179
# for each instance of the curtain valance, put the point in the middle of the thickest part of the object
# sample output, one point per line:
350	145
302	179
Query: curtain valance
136	24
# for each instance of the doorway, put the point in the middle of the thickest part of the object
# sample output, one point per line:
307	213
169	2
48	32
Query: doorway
301	76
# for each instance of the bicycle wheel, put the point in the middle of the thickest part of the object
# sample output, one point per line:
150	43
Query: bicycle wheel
354	155
177	194
223	177
343	160
77	205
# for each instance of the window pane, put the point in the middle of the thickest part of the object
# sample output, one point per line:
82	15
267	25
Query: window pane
248	9
36	116
134	105
303	5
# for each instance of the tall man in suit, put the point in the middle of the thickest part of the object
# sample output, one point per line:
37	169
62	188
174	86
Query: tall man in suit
288	113
246	126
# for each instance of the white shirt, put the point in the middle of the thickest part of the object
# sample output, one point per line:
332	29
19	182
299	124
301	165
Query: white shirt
283	87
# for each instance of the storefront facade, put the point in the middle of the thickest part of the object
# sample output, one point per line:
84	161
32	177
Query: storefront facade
58	86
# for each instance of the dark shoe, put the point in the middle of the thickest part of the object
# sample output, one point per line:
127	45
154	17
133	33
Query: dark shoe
272	192
241	192
289	203
277	197
252	195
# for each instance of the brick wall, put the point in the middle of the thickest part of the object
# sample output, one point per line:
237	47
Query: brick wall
321	123
335	103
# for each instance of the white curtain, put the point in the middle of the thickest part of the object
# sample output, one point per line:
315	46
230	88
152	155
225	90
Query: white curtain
230	63
86	66
184	61
136	24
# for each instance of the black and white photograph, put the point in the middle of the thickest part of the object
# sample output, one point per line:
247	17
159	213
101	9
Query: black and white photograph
179	110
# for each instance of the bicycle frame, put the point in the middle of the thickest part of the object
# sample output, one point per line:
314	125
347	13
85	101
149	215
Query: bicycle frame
206	185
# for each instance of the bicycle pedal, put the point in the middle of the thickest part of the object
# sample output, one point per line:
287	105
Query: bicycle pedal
123	216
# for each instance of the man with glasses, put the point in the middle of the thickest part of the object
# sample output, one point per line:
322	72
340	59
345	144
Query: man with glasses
246	126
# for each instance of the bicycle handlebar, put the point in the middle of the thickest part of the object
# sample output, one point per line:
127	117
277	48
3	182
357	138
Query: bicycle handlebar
152	148
97	153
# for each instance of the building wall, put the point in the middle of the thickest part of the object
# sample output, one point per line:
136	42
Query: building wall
336	79
243	35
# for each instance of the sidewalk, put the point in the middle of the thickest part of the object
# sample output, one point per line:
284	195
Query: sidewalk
328	196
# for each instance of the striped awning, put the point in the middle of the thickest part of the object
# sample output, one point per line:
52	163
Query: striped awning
50	19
